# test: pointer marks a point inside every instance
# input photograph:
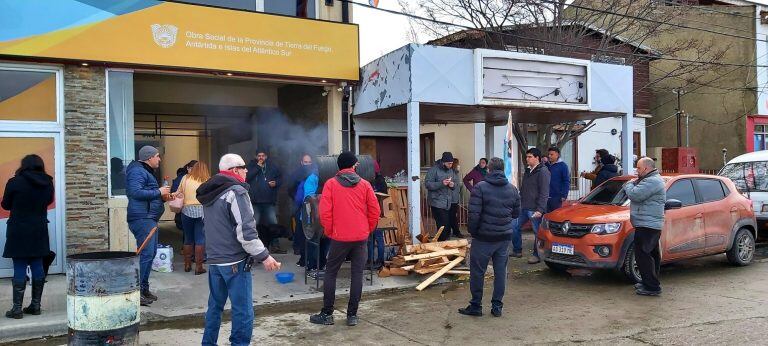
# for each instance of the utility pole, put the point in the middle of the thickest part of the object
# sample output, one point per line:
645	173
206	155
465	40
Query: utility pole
679	113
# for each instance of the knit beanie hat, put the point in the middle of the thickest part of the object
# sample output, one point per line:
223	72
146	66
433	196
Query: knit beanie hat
346	160
147	152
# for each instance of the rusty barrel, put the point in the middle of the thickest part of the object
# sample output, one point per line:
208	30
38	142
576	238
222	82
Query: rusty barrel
327	167
103	298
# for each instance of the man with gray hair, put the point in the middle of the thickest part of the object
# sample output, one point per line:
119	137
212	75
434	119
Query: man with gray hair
232	244
647	198
145	206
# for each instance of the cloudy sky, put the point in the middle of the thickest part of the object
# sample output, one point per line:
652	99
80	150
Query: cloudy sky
380	32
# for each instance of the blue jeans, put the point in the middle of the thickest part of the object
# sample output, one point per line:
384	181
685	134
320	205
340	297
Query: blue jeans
233	283
378	238
140	229
479	255
193	230
20	265
517	236
264	213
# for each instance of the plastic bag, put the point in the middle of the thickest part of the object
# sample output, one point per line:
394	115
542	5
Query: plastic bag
163	261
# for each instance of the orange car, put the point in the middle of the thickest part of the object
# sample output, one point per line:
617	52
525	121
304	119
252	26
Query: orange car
705	215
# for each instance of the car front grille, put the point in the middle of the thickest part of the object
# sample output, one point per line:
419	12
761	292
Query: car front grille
567	258
574	231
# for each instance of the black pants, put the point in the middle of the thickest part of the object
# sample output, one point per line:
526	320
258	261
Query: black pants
648	256
357	251
453	220
442	219
479	255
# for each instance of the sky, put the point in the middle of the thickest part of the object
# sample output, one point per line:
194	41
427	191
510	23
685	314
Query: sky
380	32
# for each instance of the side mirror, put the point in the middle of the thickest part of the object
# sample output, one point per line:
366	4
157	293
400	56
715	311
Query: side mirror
672	204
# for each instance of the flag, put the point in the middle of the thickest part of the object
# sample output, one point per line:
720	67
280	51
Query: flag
374	3
509	147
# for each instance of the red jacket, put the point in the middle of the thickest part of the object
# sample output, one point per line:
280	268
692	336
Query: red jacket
349	210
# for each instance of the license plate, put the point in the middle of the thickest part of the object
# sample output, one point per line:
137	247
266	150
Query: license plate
564	249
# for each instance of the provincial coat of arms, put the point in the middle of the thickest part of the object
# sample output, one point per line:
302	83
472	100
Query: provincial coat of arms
164	35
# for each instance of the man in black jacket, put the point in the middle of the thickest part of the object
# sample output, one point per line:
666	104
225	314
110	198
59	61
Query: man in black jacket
265	180
493	207
534	193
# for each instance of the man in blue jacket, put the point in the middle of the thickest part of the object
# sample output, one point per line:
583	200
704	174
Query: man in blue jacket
145	206
493	207
560	180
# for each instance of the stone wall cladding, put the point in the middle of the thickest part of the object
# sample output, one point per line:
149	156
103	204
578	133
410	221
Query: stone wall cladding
85	140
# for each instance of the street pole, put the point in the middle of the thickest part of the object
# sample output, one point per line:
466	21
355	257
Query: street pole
678	114
687	118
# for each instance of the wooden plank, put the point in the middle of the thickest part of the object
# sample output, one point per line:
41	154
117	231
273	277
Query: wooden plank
443	244
409	267
384	272
458	272
398	272
452	252
437	235
440	273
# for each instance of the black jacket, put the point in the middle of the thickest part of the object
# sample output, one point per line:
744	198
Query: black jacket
607	172
259	179
534	190
27	196
493	208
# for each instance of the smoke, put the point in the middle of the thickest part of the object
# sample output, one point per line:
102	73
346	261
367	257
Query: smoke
285	140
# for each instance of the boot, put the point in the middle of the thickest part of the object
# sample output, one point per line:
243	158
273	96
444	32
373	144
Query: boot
37	295
199	255
188	257
18	299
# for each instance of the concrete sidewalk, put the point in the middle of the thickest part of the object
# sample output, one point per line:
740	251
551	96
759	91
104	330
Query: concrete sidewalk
181	295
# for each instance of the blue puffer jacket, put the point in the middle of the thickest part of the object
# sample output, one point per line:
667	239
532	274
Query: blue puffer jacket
144	200
647	197
493	208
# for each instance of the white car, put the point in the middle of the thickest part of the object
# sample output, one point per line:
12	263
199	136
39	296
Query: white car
750	174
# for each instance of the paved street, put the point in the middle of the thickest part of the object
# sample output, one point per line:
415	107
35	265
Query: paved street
705	301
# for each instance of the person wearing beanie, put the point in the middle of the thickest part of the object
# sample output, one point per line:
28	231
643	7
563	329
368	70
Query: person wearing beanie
145	206
349	212
441	181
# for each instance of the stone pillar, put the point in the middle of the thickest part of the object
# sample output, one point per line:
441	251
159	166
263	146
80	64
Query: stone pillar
85	159
335	133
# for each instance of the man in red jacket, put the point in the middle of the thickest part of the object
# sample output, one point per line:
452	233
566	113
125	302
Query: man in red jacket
349	211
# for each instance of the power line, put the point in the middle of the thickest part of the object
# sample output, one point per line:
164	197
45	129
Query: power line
711	10
547	41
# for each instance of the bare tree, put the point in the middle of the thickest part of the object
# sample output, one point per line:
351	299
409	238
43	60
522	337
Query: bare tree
624	29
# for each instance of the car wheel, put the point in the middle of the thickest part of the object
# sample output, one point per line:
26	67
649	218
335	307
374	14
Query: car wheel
629	268
743	249
556	267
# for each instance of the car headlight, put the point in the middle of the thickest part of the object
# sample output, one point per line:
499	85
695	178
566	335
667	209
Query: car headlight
544	223
606	228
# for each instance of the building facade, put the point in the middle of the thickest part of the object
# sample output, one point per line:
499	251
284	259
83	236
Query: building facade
87	83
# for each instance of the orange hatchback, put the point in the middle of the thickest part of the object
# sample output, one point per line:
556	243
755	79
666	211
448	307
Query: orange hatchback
705	215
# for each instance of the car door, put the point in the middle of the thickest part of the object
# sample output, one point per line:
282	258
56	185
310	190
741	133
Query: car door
717	212
684	234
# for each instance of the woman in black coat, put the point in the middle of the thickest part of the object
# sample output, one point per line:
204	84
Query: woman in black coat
27	196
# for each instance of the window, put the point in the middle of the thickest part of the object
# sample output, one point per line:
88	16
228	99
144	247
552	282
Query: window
610	193
427	145
298	8
748	176
726	189
121	140
28	95
710	190
682	190
761	137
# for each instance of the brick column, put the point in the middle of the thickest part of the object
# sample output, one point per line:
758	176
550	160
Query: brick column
85	123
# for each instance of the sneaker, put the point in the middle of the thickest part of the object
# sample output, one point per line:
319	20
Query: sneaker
352	320
470	311
533	260
516	255
639	286
147	294
144	301
496	311
645	292
322	318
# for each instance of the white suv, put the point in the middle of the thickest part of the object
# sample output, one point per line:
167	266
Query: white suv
750	174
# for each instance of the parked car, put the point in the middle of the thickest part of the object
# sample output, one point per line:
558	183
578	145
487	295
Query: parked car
705	215
750	174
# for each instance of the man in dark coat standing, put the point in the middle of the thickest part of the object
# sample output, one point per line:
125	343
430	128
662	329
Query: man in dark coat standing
493	207
265	180
534	193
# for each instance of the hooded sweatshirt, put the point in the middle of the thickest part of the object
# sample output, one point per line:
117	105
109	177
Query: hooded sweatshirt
230	229
493	208
27	197
349	210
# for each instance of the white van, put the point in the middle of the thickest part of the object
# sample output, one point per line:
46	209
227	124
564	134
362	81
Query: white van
750	174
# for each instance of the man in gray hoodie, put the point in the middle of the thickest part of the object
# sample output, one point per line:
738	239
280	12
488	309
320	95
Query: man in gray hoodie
441	181
232	244
647	197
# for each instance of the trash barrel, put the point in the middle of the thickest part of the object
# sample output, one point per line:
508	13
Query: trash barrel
103	298
327	167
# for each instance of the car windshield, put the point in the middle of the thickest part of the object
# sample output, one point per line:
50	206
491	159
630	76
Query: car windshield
609	193
748	176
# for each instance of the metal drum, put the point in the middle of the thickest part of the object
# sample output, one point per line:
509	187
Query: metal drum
103	298
327	167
